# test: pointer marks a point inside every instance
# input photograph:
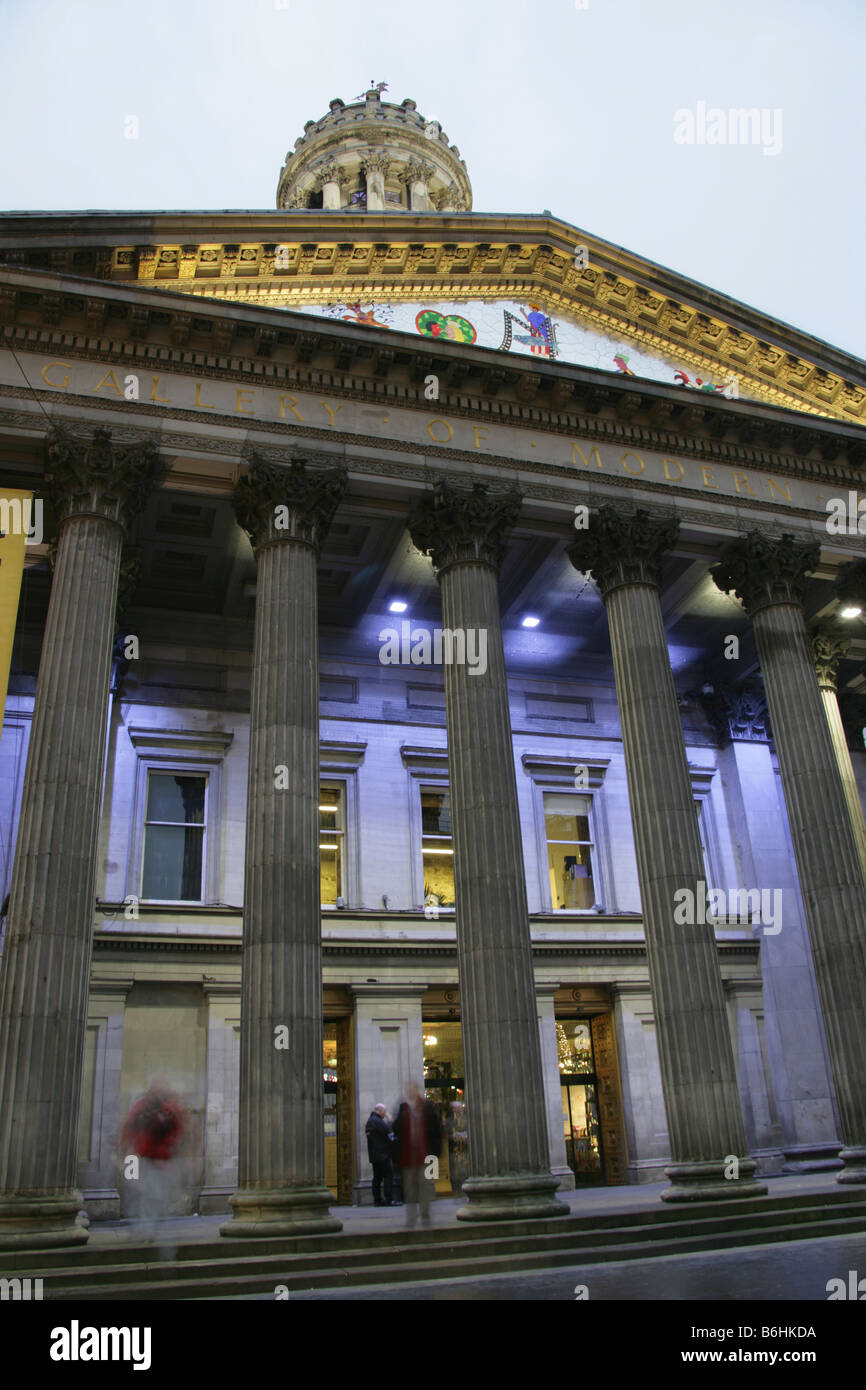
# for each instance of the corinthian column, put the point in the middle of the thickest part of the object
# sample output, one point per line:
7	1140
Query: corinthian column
281	1163
828	646
465	533
768	574
97	489
699	1081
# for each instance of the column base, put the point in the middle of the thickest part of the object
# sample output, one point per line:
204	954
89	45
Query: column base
855	1166
283	1211
511	1198
39	1222
706	1182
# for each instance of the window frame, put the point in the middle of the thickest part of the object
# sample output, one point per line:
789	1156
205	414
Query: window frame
181	752
555	773
176	825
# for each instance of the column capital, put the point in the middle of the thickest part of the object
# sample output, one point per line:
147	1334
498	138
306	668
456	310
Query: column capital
87	474
740	713
763	570
278	502
829	644
624	546
376	163
457	525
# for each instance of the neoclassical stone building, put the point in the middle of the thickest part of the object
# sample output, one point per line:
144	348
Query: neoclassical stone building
415	676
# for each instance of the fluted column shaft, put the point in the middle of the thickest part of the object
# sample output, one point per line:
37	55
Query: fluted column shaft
281	1166
846	771
509	1157
44	987
699	1080
768	574
829	643
831	880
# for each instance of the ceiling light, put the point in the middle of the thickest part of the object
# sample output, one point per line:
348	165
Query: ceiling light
851	611
530	622
397	606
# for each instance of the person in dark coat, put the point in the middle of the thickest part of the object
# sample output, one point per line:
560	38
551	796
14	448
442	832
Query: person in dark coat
379	1148
418	1144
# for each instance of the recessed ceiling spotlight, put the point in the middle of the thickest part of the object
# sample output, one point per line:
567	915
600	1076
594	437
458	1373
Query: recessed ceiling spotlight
851	611
530	622
397	606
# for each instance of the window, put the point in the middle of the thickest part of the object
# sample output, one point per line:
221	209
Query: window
437	849
332	832
569	851
174	833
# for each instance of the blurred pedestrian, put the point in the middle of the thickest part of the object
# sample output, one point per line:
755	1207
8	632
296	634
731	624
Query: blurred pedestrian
418	1143
151	1137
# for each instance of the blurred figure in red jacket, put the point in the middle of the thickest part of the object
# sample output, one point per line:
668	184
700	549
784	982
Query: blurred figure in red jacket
149	1146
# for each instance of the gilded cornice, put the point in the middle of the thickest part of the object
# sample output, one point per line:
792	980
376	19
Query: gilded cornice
119	324
326	258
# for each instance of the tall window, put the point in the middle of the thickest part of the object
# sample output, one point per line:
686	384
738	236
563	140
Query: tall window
174	834
332	831
569	851
437	849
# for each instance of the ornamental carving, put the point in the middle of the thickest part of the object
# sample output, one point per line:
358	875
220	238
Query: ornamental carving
328	173
376	164
829	645
416	170
457	525
763	570
88	475
277	502
623	546
739	713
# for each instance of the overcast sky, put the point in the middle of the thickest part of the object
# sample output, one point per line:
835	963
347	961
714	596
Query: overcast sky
552	105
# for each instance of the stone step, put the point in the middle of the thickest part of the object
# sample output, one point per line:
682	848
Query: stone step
705	1216
203	1282
450	1249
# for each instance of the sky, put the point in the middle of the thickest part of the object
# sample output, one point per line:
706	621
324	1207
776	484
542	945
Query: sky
582	107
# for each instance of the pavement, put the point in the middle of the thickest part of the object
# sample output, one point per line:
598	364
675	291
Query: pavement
586	1201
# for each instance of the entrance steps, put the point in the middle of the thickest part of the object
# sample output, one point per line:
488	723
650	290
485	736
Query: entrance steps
217	1267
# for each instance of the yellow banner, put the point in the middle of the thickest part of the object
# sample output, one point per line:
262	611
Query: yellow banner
15	518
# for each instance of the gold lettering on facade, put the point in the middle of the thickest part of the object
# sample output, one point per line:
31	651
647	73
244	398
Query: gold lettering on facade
435	437
154	394
112	382
630	455
478	431
243	398
782	490
740	480
592	453
292	407
670	477
332	412
707	475
198	400
58	385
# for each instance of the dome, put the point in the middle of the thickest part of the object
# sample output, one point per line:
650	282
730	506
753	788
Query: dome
374	156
